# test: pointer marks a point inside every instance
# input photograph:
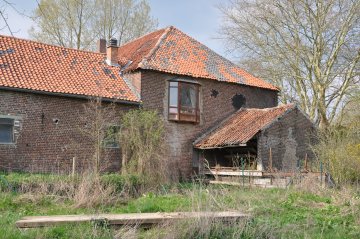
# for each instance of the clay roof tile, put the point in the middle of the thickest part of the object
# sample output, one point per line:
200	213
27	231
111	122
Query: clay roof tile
172	51
37	66
240	127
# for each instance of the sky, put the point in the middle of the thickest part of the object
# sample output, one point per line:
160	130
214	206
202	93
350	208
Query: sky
197	18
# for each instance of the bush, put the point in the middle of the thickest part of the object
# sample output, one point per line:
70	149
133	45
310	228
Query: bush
142	143
339	150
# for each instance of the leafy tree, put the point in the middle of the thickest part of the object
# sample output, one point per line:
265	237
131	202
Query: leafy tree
80	23
309	48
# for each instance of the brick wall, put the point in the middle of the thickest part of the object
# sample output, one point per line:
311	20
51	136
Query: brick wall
180	136
289	139
50	134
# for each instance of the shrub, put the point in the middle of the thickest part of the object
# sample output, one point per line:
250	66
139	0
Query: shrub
339	150
143	148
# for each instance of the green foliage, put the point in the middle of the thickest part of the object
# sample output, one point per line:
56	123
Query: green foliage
158	203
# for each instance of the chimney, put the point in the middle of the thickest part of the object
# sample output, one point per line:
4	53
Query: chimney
112	52
101	46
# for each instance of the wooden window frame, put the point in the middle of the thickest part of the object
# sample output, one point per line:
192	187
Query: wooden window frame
180	116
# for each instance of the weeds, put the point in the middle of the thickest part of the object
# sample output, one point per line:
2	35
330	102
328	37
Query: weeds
298	212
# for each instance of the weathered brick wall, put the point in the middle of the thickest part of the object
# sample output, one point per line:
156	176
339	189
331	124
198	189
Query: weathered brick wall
180	136
42	144
134	80
289	139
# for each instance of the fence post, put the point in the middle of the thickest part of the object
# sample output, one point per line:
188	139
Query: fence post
299	169
242	169
270	159
321	173
73	166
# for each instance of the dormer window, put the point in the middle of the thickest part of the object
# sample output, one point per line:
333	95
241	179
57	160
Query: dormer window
184	101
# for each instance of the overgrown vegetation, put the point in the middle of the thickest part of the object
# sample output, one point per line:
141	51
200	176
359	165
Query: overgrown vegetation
308	211
143	148
339	146
96	120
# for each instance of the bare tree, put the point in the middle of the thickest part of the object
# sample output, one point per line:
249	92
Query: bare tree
123	19
309	48
79	23
95	120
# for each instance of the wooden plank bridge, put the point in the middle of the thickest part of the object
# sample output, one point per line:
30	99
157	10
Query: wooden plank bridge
127	219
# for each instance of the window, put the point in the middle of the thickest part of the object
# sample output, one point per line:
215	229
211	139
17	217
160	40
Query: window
184	101
111	139
6	131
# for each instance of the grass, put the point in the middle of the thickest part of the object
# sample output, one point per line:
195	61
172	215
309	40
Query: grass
277	213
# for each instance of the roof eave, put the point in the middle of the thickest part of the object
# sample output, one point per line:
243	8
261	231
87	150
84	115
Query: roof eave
223	146
86	97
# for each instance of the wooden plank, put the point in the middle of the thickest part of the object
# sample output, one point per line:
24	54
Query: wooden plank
240	184
253	173
291	174
126	219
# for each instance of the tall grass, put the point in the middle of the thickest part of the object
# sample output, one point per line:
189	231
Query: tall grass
304	211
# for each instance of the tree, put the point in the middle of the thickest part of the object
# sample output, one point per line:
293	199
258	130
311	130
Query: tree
80	23
309	48
123	19
3	17
95	121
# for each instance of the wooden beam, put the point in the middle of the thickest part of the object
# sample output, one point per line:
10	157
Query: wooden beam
127	219
230	172
227	183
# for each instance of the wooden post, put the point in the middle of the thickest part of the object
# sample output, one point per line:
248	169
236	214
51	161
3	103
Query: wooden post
321	173
73	166
242	169
306	163
270	160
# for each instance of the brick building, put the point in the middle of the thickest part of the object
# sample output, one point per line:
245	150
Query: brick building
43	90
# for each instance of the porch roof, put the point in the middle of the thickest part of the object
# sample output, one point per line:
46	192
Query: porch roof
240	127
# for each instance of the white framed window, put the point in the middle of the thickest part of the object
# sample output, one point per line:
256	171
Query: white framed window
7	130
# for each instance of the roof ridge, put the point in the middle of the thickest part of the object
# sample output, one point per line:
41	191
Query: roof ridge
131	41
156	47
290	105
48	44
216	53
293	106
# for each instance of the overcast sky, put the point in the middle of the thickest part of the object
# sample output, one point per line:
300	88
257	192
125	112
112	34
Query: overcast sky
197	18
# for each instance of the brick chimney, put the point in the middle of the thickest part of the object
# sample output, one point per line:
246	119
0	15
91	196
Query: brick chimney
101	46
112	52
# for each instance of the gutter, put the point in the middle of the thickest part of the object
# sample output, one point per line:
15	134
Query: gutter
84	97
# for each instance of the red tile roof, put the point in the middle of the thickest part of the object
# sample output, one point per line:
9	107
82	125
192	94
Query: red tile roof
240	127
170	50
37	66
